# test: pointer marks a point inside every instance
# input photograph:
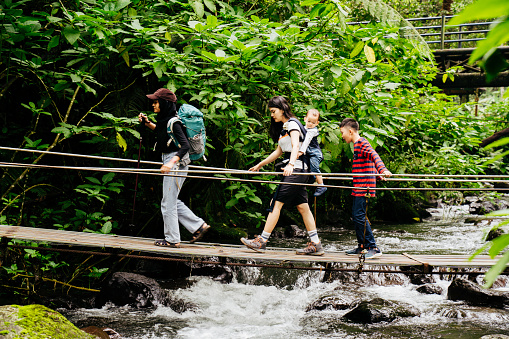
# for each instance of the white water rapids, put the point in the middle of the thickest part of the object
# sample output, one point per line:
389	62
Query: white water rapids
271	303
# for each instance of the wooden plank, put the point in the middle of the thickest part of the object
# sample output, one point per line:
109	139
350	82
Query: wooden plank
278	255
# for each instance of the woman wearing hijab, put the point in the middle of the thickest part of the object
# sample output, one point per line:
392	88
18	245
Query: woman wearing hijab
174	157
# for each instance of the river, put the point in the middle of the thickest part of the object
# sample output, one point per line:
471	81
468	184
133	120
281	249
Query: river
271	303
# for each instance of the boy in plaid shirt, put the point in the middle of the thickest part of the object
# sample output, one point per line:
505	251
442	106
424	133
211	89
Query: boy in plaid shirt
365	160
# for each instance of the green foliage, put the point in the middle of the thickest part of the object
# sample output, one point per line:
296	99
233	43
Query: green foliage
492	61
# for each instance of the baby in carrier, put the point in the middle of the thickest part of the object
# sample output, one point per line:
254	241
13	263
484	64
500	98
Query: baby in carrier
312	149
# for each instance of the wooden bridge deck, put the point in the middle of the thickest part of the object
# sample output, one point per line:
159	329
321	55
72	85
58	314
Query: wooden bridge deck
201	250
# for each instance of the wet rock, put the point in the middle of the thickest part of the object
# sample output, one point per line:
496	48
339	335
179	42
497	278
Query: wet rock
293	231
462	289
134	290
379	310
453	313
482	207
174	270
430	289
334	302
421	279
417	279
139	291
492	234
96	331
36	321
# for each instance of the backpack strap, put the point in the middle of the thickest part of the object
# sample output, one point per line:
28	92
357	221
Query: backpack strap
304	157
169	129
302	129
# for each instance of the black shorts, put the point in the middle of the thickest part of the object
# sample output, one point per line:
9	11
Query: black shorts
293	195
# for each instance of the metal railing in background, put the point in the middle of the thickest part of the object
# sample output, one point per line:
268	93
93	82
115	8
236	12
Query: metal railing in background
438	31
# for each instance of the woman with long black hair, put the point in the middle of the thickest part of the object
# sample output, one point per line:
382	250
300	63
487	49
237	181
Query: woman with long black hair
288	135
174	157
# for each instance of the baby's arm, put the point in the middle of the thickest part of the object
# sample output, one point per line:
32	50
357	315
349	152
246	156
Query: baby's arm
311	133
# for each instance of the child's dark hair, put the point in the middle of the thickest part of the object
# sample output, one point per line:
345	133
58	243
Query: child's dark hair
276	127
350	123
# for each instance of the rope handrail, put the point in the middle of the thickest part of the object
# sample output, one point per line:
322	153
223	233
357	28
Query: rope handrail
155	172
333	176
238	171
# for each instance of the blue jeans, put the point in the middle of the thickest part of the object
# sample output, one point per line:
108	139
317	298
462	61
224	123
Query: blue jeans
174	210
365	239
315	158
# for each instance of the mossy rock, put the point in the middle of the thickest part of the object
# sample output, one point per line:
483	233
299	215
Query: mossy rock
36	322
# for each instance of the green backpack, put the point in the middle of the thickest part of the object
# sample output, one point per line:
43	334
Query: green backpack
192	119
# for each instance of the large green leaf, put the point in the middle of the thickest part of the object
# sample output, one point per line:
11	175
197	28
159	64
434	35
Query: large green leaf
120	4
496	37
198	8
71	34
357	49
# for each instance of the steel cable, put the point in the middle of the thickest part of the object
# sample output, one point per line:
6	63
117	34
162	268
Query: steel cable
156	172
225	170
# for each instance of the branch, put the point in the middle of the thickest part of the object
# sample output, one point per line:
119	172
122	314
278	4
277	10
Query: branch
104	98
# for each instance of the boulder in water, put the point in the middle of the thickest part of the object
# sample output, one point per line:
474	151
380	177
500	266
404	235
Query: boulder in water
462	289
429	289
139	291
334	302
378	310
421	279
37	321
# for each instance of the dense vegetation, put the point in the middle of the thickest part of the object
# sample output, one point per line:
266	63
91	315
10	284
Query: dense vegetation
75	73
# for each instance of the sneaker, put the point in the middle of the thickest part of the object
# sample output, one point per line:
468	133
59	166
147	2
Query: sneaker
312	249
319	191
373	253
257	244
355	251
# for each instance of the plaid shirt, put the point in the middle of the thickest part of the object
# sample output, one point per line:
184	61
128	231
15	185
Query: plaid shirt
365	160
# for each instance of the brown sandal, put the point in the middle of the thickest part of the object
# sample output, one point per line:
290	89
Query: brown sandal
164	243
199	233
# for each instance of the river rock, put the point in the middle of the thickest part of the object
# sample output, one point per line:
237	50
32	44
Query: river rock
293	231
36	321
378	310
139	291
429	289
421	279
462	289
495	336
492	234
332	302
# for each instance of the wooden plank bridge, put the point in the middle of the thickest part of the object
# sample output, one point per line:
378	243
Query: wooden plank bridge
279	256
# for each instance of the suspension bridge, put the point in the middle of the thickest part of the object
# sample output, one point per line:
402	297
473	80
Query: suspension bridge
234	255
201	253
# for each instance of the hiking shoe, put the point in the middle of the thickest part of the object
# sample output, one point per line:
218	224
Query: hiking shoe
319	191
257	244
355	251
373	253
312	249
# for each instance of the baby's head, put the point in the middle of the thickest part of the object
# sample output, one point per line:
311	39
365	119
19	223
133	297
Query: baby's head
312	118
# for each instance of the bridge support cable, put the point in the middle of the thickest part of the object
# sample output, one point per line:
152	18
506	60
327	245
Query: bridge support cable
189	174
